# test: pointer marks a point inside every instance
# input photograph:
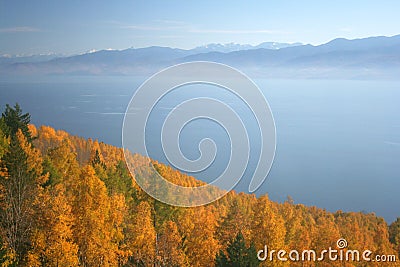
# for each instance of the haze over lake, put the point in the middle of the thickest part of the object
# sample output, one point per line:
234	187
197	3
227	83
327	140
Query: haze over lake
338	141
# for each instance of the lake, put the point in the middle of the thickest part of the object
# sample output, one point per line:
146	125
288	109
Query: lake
338	141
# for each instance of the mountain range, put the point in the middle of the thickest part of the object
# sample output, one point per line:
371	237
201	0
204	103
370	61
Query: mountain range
230	47
372	57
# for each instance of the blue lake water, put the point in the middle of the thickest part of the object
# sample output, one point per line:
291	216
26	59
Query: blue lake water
338	141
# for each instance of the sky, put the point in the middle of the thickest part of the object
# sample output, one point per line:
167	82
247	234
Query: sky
75	26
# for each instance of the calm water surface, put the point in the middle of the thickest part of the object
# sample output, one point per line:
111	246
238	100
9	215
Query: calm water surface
338	142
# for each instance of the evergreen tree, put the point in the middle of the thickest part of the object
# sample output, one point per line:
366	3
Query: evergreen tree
238	254
252	259
97	161
221	260
14	119
237	251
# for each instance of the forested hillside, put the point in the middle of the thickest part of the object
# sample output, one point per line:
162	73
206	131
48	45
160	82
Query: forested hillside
68	201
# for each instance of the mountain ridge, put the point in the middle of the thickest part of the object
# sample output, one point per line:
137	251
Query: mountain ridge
340	57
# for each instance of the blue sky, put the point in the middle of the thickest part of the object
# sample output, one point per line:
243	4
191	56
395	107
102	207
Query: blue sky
70	27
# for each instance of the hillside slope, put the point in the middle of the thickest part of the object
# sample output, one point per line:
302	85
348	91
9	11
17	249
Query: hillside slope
86	209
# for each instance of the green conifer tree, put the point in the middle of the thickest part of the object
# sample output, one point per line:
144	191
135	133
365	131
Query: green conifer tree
238	255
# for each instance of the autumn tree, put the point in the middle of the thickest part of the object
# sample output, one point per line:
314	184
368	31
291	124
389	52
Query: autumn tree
268	228
61	164
394	234
20	183
117	226
141	236
326	235
4	141
170	246
381	239
52	240
237	219
47	137
7	256
198	227
327	230
299	227
92	230
351	228
293	223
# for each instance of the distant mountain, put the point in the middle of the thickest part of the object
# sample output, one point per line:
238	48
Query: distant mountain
110	62
373	57
223	48
230	47
274	45
6	59
360	44
383	49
